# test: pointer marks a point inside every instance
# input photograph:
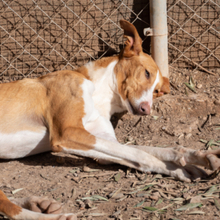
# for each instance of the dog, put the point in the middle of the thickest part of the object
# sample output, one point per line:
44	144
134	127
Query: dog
69	111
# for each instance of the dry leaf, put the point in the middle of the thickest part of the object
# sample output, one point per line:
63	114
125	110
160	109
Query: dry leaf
217	204
139	204
95	198
196	213
97	214
117	177
152	209
114	193
210	191
87	169
158	202
189	206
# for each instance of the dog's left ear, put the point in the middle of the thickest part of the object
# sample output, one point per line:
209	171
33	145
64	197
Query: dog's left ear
134	42
164	88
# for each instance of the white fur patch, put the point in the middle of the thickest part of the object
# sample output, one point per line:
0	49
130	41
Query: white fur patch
23	143
93	122
105	86
90	112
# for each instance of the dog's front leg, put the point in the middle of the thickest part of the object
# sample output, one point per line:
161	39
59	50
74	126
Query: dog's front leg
183	156
80	142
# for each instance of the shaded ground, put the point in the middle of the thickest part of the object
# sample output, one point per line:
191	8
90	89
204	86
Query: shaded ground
116	192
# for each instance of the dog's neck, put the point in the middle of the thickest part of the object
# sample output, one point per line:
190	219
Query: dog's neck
106	97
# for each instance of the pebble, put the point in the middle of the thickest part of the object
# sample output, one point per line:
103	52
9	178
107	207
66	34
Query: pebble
199	86
217	102
196	199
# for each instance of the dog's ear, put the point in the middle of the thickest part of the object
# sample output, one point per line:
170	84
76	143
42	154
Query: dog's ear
134	42
166	86
164	89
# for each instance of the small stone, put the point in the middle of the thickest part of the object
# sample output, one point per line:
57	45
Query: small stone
130	138
155	196
76	179
116	214
118	196
120	122
68	176
199	86
196	199
81	204
88	203
188	136
186	196
181	139
217	102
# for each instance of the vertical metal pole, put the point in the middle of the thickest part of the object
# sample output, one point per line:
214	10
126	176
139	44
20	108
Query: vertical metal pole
159	42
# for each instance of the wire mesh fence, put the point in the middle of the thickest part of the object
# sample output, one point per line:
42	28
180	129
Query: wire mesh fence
38	37
194	33
41	36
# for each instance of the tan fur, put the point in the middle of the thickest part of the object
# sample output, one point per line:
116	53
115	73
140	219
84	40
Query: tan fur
18	114
65	95
51	98
104	62
8	207
133	81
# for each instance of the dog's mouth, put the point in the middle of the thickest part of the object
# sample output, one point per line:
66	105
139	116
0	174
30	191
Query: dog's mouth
131	108
135	111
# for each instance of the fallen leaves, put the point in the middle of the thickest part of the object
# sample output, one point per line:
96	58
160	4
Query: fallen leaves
189	206
210	143
191	85
95	198
117	177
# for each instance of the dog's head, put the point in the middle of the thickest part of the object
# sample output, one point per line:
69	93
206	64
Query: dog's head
139	78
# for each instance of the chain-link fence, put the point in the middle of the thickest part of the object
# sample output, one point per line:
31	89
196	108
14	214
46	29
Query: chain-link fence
194	33
40	36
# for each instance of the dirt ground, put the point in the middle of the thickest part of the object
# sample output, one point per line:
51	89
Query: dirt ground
94	191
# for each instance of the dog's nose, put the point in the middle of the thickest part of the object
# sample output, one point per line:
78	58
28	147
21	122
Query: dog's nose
144	108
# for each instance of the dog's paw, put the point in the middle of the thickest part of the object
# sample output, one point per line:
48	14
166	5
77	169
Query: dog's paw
187	173
214	161
195	172
44	205
67	217
211	158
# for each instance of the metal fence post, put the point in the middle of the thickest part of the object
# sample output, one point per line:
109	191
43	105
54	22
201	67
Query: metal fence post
158	32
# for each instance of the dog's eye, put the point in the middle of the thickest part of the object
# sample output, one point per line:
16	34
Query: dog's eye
147	74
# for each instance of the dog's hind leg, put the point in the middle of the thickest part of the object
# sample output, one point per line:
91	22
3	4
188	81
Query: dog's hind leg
17	212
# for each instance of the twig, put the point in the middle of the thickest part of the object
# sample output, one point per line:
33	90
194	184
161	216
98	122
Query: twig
98	175
175	69
204	69
205	122
174	86
135	125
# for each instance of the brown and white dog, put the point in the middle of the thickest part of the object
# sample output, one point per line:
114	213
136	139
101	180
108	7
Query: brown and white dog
70	111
